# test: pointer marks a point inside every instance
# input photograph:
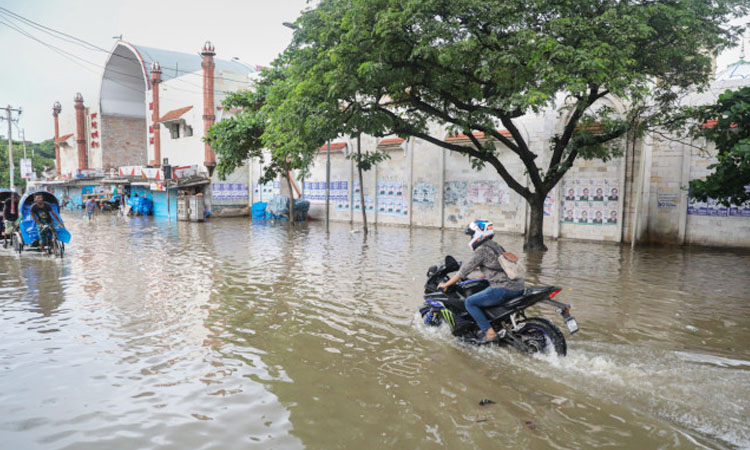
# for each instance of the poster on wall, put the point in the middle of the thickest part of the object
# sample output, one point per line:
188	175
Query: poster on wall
667	200
391	199
266	192
357	198
486	192
423	195
549	204
590	201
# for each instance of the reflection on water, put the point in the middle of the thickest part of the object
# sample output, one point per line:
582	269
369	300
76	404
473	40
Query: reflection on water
226	335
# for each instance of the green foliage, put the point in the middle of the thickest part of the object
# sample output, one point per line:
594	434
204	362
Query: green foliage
386	67
365	160
43	157
730	181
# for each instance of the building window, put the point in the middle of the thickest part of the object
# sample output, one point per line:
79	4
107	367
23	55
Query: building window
188	130
174	130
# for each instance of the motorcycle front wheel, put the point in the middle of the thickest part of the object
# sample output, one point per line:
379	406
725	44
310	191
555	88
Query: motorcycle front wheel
542	336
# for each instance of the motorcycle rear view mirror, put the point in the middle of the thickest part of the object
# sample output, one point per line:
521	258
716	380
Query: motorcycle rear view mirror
431	271
451	265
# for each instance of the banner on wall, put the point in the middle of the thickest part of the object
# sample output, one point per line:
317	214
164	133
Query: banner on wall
315	193
229	191
712	208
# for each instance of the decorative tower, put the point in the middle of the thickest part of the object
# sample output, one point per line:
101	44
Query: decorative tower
155	81
56	108
208	102
83	162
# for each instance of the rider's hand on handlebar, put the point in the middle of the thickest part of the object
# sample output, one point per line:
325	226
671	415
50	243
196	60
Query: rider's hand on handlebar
442	286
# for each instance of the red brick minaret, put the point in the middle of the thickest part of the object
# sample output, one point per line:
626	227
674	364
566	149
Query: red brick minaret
155	81
208	102
56	108
81	141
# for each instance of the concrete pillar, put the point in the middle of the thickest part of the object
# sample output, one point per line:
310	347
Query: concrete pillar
155	81
81	137
410	144
56	108
687	157
441	197
208	102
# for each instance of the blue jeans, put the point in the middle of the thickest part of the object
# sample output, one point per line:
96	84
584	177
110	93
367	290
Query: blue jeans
485	299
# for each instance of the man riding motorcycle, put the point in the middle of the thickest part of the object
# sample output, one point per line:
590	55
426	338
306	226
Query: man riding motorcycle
485	258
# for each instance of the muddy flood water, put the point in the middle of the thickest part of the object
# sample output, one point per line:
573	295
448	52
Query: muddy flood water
227	335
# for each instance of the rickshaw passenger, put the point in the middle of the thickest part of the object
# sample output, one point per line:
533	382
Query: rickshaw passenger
42	213
10	213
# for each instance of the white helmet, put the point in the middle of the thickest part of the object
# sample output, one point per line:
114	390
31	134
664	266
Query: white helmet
480	231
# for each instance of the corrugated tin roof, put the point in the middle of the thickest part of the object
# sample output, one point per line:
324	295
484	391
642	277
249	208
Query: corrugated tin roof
390	142
174	64
175	114
63	138
335	146
477	134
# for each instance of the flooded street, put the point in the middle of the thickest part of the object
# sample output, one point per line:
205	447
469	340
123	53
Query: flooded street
227	335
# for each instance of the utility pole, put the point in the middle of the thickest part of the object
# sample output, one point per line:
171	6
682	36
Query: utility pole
23	141
9	117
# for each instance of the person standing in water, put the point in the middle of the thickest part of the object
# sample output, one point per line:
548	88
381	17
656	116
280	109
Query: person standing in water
90	208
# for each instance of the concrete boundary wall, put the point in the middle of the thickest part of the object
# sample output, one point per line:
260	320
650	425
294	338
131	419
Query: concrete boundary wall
639	196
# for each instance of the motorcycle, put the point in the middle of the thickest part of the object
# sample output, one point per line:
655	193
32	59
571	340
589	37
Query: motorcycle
526	334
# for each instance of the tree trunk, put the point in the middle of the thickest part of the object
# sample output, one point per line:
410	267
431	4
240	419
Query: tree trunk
361	186
534	237
291	195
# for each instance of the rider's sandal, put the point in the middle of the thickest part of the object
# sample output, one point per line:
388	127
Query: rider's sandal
483	339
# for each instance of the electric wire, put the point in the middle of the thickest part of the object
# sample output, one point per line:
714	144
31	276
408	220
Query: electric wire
77	60
90	46
68	55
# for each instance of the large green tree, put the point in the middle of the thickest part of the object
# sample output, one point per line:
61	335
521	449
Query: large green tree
726	124
396	66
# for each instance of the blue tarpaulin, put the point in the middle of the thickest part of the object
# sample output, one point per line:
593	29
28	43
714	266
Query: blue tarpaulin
259	210
278	209
141	205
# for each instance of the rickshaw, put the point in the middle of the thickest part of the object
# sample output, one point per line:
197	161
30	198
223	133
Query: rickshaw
28	232
4	195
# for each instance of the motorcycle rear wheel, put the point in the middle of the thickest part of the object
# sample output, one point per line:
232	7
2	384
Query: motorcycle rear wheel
540	336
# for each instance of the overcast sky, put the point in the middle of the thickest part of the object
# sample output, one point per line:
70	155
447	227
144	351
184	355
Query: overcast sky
34	76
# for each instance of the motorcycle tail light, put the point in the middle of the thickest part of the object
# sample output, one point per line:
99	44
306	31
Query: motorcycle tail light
555	292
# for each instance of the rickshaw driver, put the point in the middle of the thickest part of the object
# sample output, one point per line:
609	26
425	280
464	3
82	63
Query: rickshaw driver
42	213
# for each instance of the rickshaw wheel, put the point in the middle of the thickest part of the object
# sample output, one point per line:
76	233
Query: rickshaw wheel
58	248
16	243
